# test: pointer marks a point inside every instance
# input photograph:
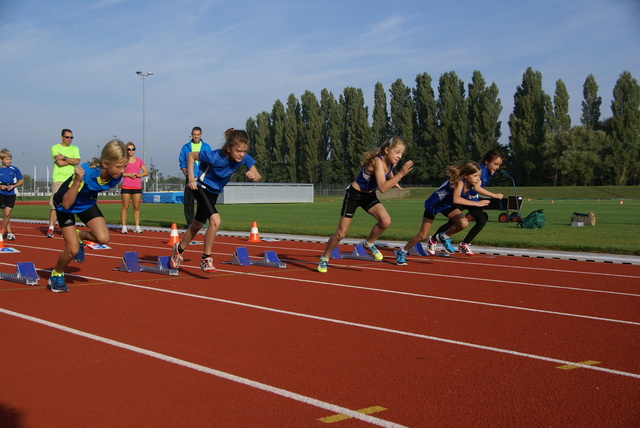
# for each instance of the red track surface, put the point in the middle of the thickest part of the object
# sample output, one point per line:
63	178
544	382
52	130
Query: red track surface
441	342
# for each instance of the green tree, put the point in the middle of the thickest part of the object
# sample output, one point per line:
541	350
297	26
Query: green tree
528	129
358	132
402	115
557	139
293	123
624	136
578	163
453	125
277	147
380	128
259	132
485	108
424	102
334	169
312	150
591	104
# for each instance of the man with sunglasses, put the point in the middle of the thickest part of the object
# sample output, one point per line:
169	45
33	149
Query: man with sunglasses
65	158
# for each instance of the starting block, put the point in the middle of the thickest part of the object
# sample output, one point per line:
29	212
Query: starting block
131	263
418	250
359	253
270	259
25	274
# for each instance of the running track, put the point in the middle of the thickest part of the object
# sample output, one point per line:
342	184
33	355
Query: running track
481	341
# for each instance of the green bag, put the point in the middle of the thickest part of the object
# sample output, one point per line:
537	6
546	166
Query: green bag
535	220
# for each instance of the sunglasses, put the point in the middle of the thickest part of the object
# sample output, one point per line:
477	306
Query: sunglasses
130	149
68	138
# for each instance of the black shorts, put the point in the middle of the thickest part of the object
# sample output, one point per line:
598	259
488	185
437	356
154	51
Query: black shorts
7	201
355	198
130	191
69	219
431	216
206	204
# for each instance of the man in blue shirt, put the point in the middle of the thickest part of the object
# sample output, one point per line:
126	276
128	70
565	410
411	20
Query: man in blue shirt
195	145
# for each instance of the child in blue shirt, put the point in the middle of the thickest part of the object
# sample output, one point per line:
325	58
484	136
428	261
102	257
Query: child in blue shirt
10	178
215	171
461	188
79	196
489	165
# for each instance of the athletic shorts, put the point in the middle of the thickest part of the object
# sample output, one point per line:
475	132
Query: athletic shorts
206	204
355	198
446	212
131	191
7	201
69	219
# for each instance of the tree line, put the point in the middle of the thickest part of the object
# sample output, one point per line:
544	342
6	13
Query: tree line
321	141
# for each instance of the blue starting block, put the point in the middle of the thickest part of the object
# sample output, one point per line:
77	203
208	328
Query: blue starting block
25	274
270	259
131	263
359	253
418	250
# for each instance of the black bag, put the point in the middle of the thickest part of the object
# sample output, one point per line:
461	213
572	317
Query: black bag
535	220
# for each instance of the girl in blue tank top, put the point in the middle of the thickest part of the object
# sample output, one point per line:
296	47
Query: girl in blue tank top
376	174
460	189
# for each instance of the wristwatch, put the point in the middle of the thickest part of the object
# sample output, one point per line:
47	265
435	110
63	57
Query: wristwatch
64	158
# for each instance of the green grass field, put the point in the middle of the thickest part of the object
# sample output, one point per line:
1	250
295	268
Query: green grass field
617	230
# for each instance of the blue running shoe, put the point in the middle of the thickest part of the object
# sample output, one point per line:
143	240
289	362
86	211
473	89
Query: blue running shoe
79	257
401	257
446	243
56	284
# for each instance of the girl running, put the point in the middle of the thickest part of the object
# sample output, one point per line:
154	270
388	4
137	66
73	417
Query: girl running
216	168
376	173
489	165
78	195
464	179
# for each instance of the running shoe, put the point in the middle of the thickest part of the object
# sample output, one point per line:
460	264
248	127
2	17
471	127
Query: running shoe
446	243
124	229
465	248
11	237
206	265
176	257
323	265
401	257
50	233
377	255
56	284
432	244
137	230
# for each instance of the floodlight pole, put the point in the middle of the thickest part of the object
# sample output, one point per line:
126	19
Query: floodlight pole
143	76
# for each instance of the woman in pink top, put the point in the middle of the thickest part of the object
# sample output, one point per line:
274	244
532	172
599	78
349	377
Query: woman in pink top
132	188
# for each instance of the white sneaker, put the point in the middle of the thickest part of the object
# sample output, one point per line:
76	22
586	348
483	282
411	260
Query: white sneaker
124	229
11	237
137	230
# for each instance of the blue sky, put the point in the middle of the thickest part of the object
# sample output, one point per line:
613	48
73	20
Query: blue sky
72	63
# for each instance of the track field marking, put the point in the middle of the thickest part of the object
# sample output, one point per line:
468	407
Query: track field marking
342	417
573	366
238	379
368	267
401	293
367	327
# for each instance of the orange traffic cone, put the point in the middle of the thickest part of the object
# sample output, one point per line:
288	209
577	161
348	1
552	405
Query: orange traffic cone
621	203
174	238
1	241
255	236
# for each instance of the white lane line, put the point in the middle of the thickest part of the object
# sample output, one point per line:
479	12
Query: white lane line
244	381
371	327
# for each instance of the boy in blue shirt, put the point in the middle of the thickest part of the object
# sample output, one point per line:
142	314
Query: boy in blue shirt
10	178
